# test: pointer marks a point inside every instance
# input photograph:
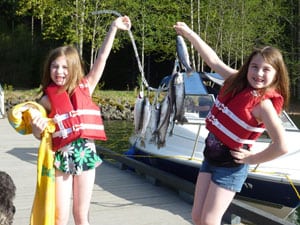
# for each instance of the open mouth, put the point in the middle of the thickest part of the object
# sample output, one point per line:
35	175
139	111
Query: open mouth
60	79
258	80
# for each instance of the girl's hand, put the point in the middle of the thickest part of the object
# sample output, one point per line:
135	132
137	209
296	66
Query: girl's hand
122	23
38	125
242	156
182	29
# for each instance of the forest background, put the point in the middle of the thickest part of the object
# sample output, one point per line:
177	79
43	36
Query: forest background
30	28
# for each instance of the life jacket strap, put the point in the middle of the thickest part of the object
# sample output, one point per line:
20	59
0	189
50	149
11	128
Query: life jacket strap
65	132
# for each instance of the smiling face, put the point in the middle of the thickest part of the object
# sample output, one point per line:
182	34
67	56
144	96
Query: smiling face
260	73
263	70
59	71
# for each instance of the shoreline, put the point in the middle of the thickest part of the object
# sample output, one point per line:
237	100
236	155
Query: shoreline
118	109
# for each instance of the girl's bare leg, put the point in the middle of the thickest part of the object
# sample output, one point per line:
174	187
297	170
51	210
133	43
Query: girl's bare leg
202	185
63	187
216	203
82	194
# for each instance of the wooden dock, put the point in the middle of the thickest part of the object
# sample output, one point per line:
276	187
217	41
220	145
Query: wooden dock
239	212
120	196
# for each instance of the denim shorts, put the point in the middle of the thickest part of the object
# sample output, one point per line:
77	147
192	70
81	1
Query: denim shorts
231	178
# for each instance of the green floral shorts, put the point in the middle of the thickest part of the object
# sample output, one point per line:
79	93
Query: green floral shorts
78	156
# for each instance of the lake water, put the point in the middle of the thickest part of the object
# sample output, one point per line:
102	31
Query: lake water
118	133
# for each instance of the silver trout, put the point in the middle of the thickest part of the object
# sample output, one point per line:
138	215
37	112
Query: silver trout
146	114
164	121
179	98
183	54
154	120
137	113
176	94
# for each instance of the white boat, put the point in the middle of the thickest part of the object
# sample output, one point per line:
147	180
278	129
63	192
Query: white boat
275	183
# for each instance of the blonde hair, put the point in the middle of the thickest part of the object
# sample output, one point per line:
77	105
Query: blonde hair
74	63
272	56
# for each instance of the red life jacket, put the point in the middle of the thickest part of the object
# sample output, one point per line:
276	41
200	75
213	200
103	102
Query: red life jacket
75	116
231	119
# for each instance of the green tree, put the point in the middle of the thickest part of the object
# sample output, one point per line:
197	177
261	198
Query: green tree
232	27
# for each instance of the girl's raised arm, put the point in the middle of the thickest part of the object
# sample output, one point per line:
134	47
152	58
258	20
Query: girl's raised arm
96	72
205	51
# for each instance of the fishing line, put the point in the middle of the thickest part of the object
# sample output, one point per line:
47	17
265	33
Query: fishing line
133	44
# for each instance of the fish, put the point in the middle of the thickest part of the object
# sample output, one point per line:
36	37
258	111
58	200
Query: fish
154	120
137	113
179	98
172	98
162	129
177	94
183	54
142	113
146	115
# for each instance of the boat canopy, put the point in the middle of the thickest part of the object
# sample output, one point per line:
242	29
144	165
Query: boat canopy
194	85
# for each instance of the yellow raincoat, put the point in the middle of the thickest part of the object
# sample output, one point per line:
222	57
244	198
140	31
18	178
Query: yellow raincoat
43	208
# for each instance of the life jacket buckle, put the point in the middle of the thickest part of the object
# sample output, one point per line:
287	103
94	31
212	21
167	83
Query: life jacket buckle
73	113
76	127
221	106
64	133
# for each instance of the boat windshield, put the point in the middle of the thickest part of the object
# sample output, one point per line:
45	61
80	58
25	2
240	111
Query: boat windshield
287	122
198	105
